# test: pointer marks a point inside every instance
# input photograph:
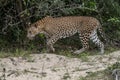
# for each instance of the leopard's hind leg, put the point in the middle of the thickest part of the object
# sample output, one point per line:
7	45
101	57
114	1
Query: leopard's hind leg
84	40
97	41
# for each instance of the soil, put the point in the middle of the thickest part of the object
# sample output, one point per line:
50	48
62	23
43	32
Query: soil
49	66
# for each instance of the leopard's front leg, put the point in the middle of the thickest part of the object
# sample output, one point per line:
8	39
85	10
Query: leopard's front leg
50	43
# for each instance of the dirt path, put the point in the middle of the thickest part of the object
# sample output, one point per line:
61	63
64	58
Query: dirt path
54	67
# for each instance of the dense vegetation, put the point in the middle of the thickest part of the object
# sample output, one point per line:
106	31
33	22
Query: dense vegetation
15	14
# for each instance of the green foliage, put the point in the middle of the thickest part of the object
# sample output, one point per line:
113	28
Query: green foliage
102	75
16	53
114	66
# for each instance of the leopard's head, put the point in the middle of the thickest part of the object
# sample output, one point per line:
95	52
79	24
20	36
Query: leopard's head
33	30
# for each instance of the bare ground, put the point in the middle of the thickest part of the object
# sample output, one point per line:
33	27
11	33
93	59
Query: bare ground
54	67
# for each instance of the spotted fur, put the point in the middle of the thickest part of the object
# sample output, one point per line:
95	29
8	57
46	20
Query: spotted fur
62	27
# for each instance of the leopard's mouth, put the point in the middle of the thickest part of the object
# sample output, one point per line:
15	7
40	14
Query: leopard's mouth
31	38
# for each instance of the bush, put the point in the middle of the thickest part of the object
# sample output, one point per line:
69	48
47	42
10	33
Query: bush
16	14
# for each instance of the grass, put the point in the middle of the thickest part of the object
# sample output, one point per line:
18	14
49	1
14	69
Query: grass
16	53
25	53
66	76
84	55
102	75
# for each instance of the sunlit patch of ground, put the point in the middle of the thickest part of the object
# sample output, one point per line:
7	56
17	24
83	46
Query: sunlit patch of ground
48	66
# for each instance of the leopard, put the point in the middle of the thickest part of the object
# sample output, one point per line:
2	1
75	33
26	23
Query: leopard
55	28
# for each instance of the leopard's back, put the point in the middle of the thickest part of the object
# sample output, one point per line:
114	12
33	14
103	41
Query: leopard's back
68	26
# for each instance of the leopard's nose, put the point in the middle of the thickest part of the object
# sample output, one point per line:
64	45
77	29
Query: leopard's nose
31	38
